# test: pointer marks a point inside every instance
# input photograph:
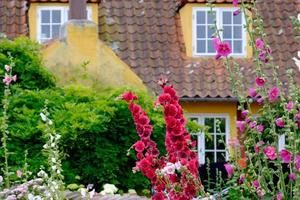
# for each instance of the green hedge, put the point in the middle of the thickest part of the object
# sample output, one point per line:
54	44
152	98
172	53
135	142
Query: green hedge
97	130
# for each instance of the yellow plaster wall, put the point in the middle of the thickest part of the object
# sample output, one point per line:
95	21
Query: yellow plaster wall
226	108
186	18
33	11
80	44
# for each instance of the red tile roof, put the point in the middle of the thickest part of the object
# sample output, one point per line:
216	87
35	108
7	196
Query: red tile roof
147	35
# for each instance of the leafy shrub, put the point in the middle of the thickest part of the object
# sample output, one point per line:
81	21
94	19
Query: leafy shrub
96	130
28	63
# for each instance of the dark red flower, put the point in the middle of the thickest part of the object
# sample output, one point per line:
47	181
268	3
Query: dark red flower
139	146
129	96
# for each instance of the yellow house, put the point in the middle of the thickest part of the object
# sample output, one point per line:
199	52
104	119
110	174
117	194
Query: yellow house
144	40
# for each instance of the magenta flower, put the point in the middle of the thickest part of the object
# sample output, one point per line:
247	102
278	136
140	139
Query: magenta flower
297	162
256	184
262	56
7	68
279	122
252	92
257	146
236	12
259	43
298	116
260	128
260	100
7	80
229	169
242	179
279	196
270	152
253	124
289	106
241	126
244	113
292	177
222	48
260	82
285	156
235	2
273	94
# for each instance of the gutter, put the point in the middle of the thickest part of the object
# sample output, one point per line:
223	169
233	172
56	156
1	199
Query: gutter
207	99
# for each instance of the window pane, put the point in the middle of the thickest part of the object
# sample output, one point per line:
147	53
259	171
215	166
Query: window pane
201	17
210	32
210	156
201	32
237	32
201	46
210	143
227	17
237	46
55	31
210	123
221	156
211	16
45	15
45	31
237	19
210	46
220	124
221	141
56	16
227	33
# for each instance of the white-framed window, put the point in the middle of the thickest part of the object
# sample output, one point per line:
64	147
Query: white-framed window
232	26
50	19
213	147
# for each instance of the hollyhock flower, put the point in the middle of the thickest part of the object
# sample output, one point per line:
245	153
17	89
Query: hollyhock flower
244	113
169	169
128	96
289	106
270	152
222	48
262	56
158	196
259	43
260	128
279	196
7	80
252	92
235	2
256	184
241	126
260	82
229	169
252	124
14	78
178	165
297	162
292	177
164	98
260	101
285	156
256	149
19	173
273	94
279	122
139	146
236	12
7	68
242	179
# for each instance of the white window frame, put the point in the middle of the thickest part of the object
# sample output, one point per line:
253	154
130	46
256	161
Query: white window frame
63	9
201	135
219	22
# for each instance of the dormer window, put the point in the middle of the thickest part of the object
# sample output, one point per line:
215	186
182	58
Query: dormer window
233	31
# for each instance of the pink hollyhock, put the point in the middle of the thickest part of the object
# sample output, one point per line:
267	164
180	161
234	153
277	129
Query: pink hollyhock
260	82
241	126
222	48
158	196
259	43
128	96
285	156
14	78
279	122
252	92
256	184
260	100
244	113
235	2
236	12
292	177
260	128
270	152
229	169
289	106
273	94
164	98
279	196
7	68
252	124
7	80
139	146
297	162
